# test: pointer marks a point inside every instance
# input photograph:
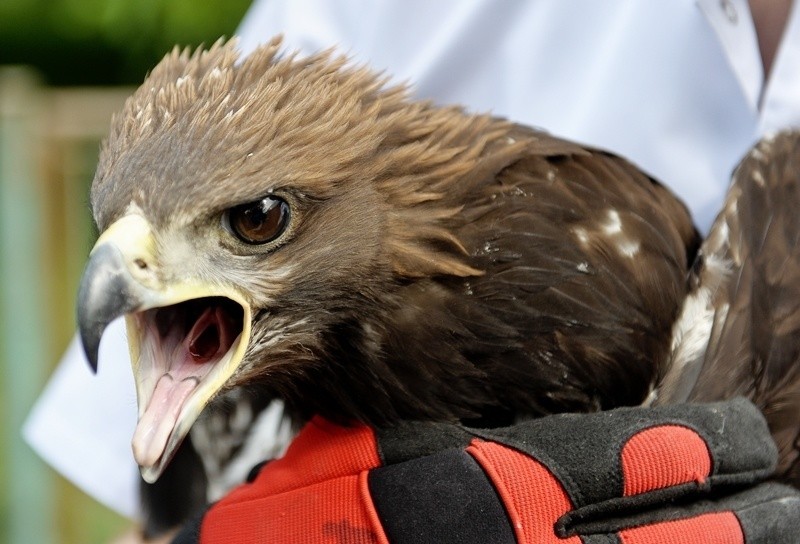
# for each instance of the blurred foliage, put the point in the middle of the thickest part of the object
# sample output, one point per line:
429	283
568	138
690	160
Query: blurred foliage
107	42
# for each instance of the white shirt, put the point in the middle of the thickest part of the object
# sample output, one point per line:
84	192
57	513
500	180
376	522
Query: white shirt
675	86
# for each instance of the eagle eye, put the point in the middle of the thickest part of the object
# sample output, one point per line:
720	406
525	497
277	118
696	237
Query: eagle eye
258	222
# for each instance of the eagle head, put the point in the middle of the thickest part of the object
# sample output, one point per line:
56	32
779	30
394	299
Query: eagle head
253	209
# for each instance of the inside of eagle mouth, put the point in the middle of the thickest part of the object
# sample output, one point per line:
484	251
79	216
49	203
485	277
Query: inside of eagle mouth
179	345
205	327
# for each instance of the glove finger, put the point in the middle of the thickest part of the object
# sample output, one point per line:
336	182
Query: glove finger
766	514
634	457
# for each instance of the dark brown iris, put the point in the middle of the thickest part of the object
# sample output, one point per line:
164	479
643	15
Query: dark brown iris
259	222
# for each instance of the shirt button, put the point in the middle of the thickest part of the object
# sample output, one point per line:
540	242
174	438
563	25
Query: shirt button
730	11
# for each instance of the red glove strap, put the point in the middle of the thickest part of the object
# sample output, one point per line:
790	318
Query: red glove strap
664	456
533	497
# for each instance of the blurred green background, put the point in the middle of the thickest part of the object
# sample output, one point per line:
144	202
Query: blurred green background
65	67
107	42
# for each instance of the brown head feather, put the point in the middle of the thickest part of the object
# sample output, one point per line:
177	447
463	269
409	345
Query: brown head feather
222	132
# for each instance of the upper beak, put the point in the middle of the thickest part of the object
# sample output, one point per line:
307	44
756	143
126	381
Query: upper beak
186	337
108	289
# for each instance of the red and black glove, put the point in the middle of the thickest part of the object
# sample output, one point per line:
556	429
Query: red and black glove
672	475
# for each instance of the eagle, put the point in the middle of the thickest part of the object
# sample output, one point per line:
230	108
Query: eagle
299	228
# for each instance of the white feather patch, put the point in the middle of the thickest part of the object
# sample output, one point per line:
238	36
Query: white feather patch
692	331
614	223
581	234
628	248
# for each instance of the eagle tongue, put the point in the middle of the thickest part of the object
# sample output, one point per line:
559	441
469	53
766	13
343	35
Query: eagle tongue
159	419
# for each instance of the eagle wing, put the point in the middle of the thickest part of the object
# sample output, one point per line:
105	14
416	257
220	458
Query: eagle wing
584	260
740	325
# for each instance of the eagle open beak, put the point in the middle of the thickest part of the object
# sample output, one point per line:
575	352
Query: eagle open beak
186	337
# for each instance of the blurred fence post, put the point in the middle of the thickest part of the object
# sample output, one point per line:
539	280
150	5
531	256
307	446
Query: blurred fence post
48	150
23	323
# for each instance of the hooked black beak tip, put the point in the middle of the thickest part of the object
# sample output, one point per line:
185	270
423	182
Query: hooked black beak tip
107	291
91	348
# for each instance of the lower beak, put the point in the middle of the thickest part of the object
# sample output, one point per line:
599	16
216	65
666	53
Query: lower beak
186	338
